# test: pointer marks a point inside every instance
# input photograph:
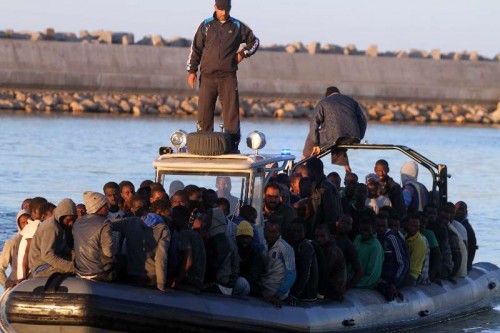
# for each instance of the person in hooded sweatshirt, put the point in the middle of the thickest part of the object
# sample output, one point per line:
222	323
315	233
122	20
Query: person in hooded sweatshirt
9	252
148	241
93	240
415	194
50	252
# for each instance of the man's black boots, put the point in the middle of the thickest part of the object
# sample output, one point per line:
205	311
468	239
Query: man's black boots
235	141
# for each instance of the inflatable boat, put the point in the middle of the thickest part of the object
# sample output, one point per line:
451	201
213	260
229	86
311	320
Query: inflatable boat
68	304
74	305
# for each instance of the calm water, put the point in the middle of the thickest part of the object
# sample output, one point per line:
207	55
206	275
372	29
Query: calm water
62	156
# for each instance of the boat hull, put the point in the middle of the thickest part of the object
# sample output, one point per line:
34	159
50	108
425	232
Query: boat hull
79	305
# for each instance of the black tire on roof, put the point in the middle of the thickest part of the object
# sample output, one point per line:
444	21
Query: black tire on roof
208	143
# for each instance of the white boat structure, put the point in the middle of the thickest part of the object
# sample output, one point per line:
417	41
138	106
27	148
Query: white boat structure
68	304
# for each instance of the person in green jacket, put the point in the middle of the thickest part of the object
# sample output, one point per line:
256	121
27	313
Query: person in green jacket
370	253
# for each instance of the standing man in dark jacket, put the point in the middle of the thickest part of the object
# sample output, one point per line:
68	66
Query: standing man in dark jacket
94	240
216	47
336	117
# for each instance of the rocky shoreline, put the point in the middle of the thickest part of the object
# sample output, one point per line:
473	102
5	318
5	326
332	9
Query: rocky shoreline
177	105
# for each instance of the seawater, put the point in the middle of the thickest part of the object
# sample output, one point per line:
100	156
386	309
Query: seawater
61	156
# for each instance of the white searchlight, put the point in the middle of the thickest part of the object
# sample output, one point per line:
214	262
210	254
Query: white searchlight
178	139
256	140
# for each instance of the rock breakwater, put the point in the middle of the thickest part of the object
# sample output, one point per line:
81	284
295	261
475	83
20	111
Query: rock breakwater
178	105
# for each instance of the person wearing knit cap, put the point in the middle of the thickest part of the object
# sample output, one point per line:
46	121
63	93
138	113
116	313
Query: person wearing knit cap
50	250
415	194
221	42
93	240
252	263
9	252
337	118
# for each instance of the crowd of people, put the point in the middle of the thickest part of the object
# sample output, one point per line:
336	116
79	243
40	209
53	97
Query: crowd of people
319	239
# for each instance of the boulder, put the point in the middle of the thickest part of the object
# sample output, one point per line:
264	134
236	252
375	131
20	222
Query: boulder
165	109
50	100
89	105
6	104
76	107
146	40
313	48
495	115
459	56
436	54
188	107
350	49
372	51
20	96
9	33
179	42
419	54
158	40
473	56
497	57
124	106
104	36
125	38
84	34
332	48
66	37
291	49
36	36
49	33
137	111
402	54
387	117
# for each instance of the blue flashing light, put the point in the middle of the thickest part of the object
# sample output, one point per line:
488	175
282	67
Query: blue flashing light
286	151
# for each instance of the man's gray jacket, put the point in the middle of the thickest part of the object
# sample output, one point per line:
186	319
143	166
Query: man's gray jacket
336	116
93	245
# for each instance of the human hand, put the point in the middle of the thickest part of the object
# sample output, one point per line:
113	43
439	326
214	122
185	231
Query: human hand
276	301
239	57
192	77
315	150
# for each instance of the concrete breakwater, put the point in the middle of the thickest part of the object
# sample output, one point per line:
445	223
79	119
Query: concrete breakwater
53	65
178	105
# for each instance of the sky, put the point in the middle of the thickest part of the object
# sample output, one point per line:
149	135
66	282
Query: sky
392	25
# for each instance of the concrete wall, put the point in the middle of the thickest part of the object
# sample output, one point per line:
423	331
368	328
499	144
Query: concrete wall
77	66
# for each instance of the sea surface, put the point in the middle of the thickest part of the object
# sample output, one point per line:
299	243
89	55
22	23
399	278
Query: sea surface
61	156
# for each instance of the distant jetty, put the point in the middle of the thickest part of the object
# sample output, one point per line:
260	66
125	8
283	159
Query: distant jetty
128	38
110	72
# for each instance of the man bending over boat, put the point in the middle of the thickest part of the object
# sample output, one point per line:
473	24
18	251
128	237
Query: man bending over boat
50	252
337	119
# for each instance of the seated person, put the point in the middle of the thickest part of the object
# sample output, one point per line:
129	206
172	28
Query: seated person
148	241
415	194
9	252
375	200
462	217
49	251
280	269
435	257
371	254
353	266
305	287
190	273
93	240
252	261
335	273
396	262
417	248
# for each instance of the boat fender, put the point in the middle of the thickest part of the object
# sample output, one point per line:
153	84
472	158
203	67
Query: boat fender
424	313
348	323
492	285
